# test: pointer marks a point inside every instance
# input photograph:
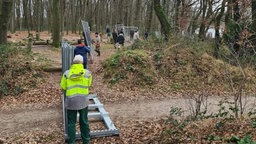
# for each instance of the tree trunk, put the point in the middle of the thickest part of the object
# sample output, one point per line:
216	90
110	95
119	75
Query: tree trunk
37	15
25	15
142	16
201	34
18	19
228	13
56	24
165	25
253	38
4	18
130	18
37	18
137	13
49	15
237	16
12	25
126	13
31	22
62	14
72	14
1	2
42	24
67	14
217	30
254	15
120	11
149	16
176	16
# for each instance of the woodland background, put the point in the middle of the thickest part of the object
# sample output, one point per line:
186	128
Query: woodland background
179	17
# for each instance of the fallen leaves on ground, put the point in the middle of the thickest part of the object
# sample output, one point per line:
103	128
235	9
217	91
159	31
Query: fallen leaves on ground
48	93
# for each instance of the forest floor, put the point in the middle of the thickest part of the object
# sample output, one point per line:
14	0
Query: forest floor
36	115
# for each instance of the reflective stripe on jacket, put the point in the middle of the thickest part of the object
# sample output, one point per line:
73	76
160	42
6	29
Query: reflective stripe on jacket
76	83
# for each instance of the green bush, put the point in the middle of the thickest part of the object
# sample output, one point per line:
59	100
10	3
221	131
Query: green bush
133	65
247	139
136	45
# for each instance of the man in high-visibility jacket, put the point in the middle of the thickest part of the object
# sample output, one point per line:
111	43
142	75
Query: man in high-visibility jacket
76	82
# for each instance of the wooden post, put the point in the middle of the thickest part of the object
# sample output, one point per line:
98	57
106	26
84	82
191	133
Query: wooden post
38	36
30	43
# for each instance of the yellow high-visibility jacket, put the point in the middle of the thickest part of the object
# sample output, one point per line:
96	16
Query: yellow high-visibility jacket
76	82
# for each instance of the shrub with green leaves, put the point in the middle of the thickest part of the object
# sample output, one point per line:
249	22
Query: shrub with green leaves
133	66
137	45
247	139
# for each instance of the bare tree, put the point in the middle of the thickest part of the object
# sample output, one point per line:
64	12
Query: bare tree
38	14
198	104
165	25
56	23
253	11
176	16
25	15
137	13
150	10
37	18
217	29
18	13
207	12
12	22
233	25
4	18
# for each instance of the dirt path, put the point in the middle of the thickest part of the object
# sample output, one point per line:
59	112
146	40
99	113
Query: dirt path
15	121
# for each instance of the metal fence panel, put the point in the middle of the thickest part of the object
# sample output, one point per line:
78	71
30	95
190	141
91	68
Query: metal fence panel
87	32
67	55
